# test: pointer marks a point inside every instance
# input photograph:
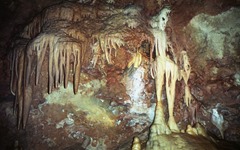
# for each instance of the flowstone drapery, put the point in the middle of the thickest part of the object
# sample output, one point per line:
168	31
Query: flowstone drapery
165	68
163	65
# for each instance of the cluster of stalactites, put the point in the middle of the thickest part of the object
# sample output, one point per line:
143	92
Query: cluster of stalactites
22	93
106	44
116	32
63	58
60	36
53	35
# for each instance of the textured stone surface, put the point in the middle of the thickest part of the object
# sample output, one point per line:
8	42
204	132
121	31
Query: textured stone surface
216	37
215	59
207	29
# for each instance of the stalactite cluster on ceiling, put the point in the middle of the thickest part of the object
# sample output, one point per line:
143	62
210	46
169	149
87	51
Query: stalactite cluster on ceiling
70	35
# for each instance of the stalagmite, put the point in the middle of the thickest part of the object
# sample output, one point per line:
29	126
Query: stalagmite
201	130
136	144
190	130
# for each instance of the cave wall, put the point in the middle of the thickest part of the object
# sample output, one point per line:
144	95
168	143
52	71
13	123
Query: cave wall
214	46
207	30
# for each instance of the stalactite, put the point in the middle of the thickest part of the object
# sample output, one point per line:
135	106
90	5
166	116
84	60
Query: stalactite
136	60
73	59
96	53
184	61
159	119
160	43
187	96
29	62
20	97
50	63
61	63
77	71
56	64
171	78
67	66
106	43
103	45
42	48
27	95
16	68
57	41
153	68
185	73
84	51
13	78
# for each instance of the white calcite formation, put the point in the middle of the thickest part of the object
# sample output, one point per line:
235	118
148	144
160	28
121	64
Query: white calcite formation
63	38
166	70
218	120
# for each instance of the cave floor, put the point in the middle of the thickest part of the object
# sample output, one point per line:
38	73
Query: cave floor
72	137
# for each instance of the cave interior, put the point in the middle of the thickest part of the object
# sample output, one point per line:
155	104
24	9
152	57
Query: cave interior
120	74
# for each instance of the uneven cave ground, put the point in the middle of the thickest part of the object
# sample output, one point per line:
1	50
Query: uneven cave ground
41	130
